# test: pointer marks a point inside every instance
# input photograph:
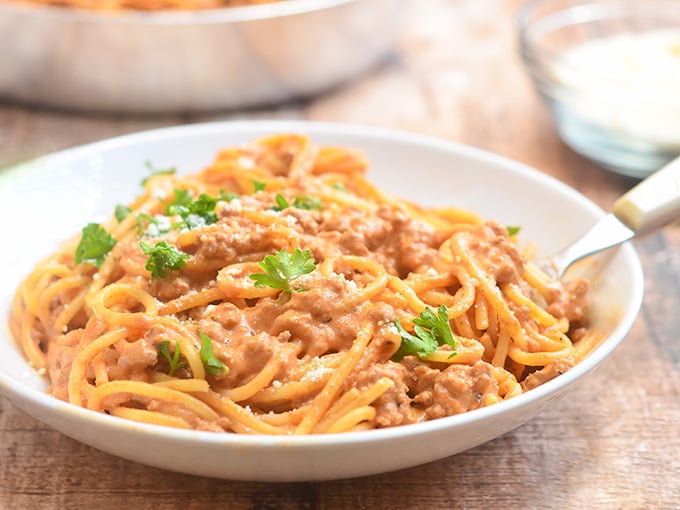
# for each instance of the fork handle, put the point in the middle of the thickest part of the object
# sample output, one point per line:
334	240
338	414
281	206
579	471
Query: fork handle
654	202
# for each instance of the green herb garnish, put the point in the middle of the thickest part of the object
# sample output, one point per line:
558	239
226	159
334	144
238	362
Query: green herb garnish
157	171
163	257
340	187
194	213
211	364
182	199
308	203
173	359
227	196
95	243
302	202
281	203
122	212
430	331
282	268
150	226
512	231
258	185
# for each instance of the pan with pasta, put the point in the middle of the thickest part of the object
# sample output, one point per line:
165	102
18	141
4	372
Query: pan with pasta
329	302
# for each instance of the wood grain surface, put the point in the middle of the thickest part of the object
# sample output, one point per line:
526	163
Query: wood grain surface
613	443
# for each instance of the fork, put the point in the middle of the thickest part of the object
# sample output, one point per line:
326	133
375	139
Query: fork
650	205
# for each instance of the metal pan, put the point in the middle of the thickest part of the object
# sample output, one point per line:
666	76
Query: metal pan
162	62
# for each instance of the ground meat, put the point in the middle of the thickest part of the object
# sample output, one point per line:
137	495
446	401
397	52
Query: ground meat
353	243
394	406
496	253
226	314
320	320
307	221
315	339
357	232
546	374
172	287
246	359
569	300
59	360
420	380
136	355
414	244
236	237
461	388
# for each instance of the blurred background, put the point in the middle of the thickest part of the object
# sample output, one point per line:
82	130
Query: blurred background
449	68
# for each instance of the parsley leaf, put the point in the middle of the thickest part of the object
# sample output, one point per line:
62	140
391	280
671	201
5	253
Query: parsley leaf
95	243
212	365
282	268
513	230
163	257
340	187
182	198
227	196
438	325
258	185
153	227
157	171
122	212
430	331
194	213
421	344
302	202
173	359
308	203
281	203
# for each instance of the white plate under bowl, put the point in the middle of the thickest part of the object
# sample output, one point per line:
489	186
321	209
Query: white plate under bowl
49	199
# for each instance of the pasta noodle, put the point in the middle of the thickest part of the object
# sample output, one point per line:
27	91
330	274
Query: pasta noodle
278	292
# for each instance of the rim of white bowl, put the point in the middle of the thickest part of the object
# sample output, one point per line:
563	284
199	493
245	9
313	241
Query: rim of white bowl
11	387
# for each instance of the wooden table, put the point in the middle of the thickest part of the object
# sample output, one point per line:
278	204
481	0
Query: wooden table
614	443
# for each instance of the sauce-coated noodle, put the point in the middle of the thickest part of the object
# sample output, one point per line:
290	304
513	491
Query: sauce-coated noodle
208	335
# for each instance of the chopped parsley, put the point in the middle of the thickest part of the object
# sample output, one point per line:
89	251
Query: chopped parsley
211	364
340	187
173	359
258	185
227	196
308	203
431	330
182	199
513	230
282	268
194	213
150	226
122	212
95	243
157	171
163	257
303	202
281	203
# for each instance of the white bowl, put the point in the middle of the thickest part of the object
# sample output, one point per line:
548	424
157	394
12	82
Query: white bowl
50	198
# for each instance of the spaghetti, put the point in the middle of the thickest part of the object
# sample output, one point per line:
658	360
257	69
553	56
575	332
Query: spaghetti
278	292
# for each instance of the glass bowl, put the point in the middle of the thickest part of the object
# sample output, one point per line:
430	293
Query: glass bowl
609	72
